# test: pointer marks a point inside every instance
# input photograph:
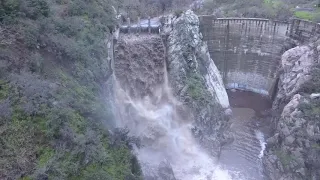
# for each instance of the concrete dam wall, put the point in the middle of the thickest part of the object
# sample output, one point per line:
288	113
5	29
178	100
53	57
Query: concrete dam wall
247	51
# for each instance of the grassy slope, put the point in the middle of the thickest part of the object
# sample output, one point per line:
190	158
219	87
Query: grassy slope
52	114
272	9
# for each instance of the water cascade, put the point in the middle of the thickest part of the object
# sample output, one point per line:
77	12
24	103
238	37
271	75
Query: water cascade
148	109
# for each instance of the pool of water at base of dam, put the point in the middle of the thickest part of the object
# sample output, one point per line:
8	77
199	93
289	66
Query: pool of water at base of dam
250	125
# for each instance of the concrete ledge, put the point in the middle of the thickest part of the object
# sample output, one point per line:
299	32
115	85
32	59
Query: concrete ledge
246	88
250	82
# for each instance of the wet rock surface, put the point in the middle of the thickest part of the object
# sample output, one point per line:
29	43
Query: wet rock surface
195	80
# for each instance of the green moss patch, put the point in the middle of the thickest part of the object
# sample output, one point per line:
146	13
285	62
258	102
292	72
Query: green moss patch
4	89
284	157
46	153
197	89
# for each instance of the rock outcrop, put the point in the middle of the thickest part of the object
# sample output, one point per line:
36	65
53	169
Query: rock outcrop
195	79
295	149
296	64
293	153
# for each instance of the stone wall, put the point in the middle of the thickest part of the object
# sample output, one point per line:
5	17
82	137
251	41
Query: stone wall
247	51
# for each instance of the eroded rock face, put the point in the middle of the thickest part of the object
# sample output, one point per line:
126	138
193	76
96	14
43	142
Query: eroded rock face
293	152
195	79
188	54
296	64
294	149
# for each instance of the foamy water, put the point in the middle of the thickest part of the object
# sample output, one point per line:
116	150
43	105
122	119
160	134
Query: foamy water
161	122
167	137
260	137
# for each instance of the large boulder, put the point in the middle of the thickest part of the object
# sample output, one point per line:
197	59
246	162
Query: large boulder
295	68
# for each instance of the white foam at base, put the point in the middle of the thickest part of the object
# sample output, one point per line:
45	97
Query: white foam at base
260	137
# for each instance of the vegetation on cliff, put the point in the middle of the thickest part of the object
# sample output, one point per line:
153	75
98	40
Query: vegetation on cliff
54	117
271	9
143	8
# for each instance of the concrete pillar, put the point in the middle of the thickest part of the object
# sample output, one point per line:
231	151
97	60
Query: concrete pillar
129	25
297	27
149	24
287	30
291	22
139	25
250	26
225	60
274	28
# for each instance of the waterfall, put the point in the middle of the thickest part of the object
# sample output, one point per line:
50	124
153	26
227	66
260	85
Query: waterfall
160	121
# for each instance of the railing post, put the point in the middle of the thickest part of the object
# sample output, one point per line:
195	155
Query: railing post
129	25
291	27
139	25
149	24
225	60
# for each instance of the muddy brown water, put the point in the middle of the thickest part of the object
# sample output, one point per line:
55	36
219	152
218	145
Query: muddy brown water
250	126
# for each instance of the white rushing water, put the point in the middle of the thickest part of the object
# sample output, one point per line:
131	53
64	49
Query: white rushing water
260	137
166	138
165	135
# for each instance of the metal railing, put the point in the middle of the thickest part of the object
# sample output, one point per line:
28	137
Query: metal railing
141	26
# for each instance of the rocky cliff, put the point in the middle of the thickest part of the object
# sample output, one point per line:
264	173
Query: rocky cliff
295	68
294	150
195	80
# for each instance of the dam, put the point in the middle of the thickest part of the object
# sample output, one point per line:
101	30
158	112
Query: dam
247	51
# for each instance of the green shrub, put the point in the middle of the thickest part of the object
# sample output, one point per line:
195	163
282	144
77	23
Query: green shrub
55	121
31	35
311	110
36	63
36	8
45	154
197	89
284	157
4	89
9	9
304	15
